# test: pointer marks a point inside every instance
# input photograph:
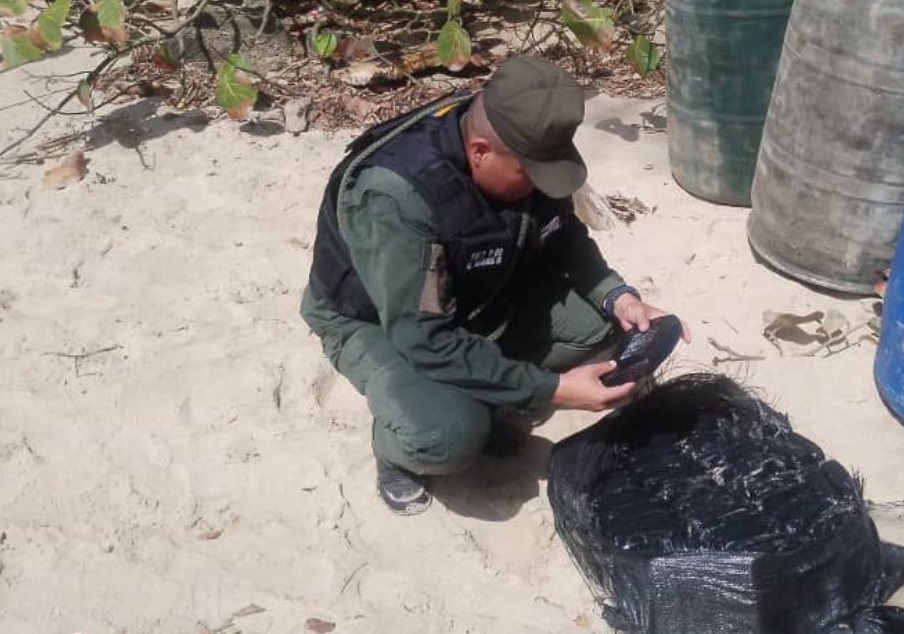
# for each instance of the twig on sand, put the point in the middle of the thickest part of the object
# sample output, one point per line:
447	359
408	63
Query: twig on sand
277	389
52	149
35	158
77	358
351	576
894	508
840	338
265	19
29	100
77	274
731	354
229	625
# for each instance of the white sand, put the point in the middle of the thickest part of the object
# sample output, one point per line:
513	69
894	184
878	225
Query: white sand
162	486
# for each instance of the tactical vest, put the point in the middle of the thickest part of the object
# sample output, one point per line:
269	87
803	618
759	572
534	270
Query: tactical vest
480	244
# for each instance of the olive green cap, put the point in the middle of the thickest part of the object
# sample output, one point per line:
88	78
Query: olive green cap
535	107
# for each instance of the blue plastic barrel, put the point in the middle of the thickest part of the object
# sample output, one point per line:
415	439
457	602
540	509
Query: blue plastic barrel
889	367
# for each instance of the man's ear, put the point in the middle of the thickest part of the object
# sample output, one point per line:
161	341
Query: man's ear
479	147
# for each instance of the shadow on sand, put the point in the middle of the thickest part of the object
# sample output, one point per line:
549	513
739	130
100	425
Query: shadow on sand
494	489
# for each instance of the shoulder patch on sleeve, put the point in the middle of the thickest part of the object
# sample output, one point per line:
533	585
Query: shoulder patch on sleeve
436	292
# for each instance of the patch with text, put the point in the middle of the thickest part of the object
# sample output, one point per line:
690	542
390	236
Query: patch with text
485	258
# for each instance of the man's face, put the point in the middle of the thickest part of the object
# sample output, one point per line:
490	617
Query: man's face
499	175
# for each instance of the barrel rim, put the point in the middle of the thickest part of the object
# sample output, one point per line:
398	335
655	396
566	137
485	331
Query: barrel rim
803	275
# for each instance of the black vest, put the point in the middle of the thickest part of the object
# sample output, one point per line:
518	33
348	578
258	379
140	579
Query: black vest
481	243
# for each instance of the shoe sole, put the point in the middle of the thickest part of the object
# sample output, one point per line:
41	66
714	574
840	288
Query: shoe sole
411	508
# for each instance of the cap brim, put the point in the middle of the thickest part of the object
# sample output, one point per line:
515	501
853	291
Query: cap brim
557	179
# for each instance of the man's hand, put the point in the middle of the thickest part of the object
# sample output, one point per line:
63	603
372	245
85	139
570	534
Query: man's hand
631	312
581	388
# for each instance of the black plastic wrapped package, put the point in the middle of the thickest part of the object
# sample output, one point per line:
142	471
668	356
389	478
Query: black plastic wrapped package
697	510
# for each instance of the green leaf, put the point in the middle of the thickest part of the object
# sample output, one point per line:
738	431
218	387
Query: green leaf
325	44
17	47
644	55
12	8
112	19
594	26
454	46
235	94
48	29
104	22
453	7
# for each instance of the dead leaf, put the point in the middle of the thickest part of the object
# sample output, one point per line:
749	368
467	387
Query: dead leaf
213	533
104	21
787	327
90	26
831	331
229	625
627	209
248	610
583	621
592	209
85	94
164	60
70	171
833	326
477	61
319	625
390	67
360	108
356	49
875	326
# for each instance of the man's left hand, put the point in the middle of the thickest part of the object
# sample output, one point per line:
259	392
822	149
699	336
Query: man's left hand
632	312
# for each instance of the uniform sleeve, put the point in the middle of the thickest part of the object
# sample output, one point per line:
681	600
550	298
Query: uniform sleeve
389	232
579	257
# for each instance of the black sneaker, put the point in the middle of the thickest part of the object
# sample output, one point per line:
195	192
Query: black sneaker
404	492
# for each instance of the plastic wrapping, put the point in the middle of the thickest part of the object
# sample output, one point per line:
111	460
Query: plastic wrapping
697	510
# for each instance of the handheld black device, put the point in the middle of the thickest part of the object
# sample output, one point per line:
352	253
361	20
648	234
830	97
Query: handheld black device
640	353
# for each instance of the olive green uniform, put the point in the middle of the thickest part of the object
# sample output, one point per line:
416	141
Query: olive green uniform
432	386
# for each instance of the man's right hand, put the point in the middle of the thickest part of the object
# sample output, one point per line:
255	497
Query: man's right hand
581	388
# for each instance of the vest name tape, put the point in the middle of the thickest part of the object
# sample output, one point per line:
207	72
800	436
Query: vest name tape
485	258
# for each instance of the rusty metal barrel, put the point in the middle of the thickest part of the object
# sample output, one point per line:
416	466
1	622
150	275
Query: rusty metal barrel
828	194
722	56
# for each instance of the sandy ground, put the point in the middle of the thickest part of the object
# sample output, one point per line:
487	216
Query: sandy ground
201	456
